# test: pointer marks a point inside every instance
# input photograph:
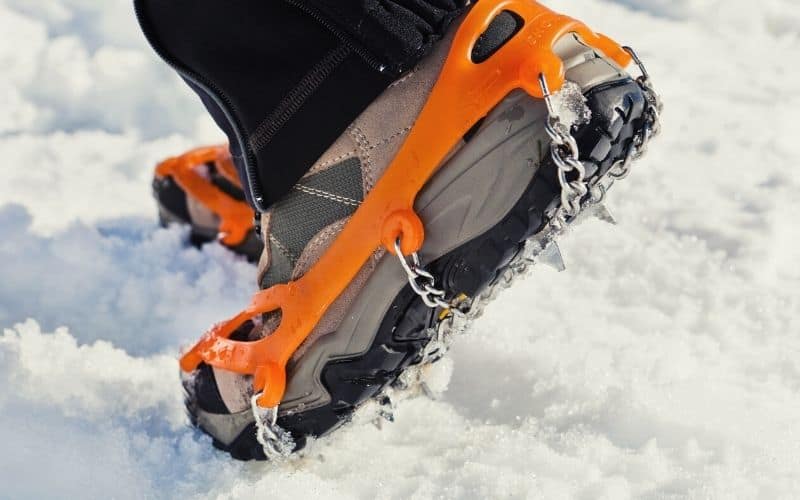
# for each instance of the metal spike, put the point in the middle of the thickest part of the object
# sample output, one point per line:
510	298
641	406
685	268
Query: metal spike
551	256
385	412
387	415
601	212
428	392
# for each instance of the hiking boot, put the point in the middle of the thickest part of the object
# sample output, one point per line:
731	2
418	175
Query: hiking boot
450	185
201	189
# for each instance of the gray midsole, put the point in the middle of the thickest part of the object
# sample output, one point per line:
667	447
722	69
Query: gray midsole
469	195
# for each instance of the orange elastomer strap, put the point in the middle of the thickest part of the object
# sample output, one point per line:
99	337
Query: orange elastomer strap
236	217
226	167
464	93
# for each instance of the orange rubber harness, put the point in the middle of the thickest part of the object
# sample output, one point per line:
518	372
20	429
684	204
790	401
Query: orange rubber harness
235	216
465	93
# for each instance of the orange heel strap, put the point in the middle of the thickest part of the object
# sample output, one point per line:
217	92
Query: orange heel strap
464	94
236	217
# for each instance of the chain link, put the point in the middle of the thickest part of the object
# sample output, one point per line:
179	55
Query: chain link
421	281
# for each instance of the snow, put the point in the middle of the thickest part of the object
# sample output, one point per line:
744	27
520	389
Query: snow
662	364
569	104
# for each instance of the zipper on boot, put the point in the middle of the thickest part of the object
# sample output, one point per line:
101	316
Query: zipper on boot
345	38
224	103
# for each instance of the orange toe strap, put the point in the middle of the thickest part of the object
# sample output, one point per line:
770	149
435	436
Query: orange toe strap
236	217
465	93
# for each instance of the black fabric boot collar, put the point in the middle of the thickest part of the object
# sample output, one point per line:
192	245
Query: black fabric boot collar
285	78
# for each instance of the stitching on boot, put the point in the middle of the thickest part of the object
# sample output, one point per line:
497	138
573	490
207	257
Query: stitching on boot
353	152
322	239
306	87
362	142
409	76
339	158
329	196
392	137
285	251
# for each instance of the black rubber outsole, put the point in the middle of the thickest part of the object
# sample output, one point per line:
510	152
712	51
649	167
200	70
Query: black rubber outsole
617	111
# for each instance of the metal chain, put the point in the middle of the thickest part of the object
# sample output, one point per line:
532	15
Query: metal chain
565	154
276	442
421	281
652	122
574	202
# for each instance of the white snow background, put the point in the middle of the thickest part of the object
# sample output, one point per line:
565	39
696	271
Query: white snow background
663	364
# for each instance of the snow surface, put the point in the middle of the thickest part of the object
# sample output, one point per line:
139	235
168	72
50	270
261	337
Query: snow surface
662	364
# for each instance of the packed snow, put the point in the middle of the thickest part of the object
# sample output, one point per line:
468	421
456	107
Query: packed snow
665	363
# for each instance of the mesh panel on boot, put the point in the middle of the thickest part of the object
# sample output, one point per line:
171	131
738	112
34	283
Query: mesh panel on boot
316	202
